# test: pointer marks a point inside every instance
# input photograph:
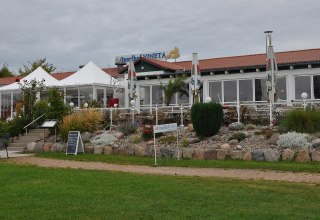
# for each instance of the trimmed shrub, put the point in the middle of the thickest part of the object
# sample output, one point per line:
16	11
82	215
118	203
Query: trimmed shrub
127	128
80	121
292	140
302	121
206	118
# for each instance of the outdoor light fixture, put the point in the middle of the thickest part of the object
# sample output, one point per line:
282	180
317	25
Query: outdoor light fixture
304	96
85	105
132	103
208	99
115	105
71	104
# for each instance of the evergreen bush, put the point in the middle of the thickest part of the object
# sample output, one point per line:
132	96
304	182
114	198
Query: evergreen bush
206	118
302	121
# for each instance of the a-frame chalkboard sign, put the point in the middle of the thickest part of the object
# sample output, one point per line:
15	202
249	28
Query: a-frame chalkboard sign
74	144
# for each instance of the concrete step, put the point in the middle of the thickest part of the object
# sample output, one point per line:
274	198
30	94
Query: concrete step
20	149
17	145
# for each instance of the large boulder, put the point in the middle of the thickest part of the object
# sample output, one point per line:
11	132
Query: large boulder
38	148
98	150
247	155
31	146
222	155
199	154
107	150
303	156
166	152
315	155
118	135
193	140
118	151
139	151
103	139
47	147
236	126
273	139
288	155
236	155
257	155
86	136
190	128
210	155
177	154
129	150
187	153
225	146
316	143
271	155
88	148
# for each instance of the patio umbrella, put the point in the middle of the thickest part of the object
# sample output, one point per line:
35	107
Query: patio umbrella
132	79
271	69
195	78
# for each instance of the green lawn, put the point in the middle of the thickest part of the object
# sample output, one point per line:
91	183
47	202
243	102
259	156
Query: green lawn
29	192
149	161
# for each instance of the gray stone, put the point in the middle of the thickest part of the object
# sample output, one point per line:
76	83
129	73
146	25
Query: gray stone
239	147
139	151
129	151
233	142
57	147
210	155
303	156
288	155
190	128
222	155
273	139
225	146
247	155
118	151
177	154
236	126
103	139
47	147
187	153
315	155
166	152
98	150
199	154
88	148
118	135
86	136
257	155
236	155
271	155
38	147
193	140
31	146
107	150
316	143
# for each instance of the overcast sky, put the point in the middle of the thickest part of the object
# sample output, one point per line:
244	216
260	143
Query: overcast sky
73	32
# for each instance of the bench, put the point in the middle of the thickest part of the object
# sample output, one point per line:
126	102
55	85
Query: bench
4	142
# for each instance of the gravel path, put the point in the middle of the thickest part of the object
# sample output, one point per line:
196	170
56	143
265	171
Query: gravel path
174	171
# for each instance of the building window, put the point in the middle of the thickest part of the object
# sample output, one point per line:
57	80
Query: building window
183	97
316	86
281	88
157	95
302	84
260	90
230	91
215	91
245	90
144	95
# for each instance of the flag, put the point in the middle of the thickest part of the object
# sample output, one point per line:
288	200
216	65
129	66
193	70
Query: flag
132	80
271	70
195	78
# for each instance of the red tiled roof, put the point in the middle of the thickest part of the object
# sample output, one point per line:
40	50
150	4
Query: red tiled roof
60	76
9	80
114	71
255	60
162	64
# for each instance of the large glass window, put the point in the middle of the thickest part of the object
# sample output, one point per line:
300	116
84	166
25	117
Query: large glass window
156	95
281	88
316	86
215	91
245	90
183	97
230	91
302	84
260	89
144	95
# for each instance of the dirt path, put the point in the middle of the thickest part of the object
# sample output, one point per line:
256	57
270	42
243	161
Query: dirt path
174	171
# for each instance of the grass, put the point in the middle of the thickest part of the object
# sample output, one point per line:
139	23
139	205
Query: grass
29	192
313	167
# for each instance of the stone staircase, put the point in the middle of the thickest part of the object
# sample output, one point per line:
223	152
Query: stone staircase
20	144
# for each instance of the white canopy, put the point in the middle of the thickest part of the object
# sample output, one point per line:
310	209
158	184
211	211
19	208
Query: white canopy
90	74
39	74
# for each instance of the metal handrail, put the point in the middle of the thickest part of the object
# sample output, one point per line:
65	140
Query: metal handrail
25	127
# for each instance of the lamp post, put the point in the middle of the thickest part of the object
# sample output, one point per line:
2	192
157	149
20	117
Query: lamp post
304	97
208	99
132	103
